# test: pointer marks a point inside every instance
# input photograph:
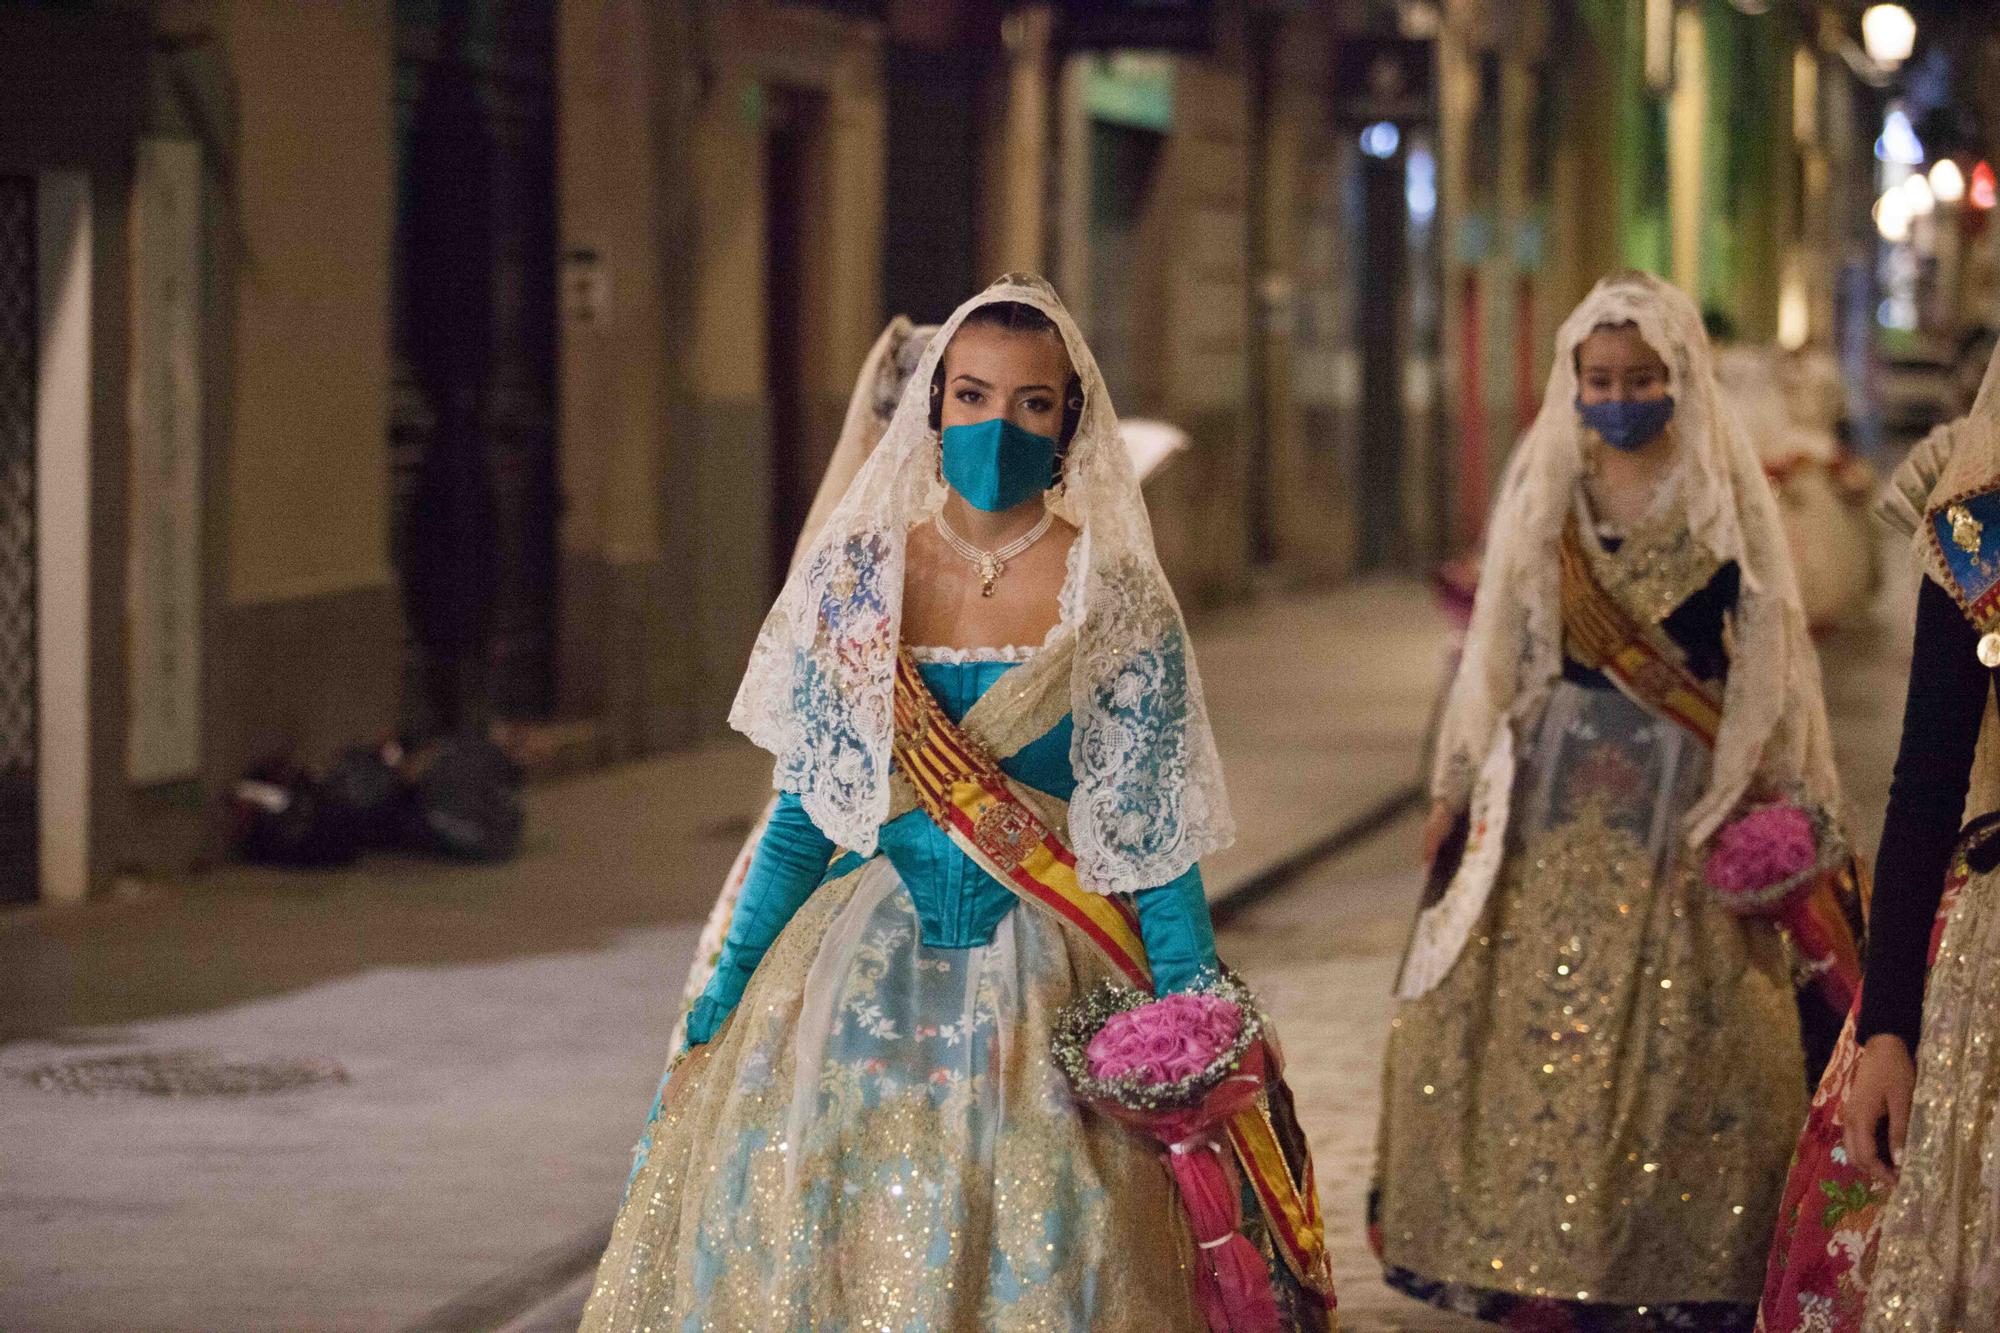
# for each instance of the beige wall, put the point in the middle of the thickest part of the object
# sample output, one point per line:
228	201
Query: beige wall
1012	238
1190	326
308	503
1312	500
610	362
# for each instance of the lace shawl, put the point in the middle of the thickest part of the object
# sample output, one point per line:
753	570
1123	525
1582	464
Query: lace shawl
1150	800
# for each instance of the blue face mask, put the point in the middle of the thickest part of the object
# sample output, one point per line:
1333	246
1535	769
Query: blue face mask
1628	425
996	465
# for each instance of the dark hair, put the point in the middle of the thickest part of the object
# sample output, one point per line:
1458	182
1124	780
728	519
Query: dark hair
1017	317
1608	326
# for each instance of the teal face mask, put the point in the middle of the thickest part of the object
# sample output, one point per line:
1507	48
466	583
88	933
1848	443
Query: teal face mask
996	465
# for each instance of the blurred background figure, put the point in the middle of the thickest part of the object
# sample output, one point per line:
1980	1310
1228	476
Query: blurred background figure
1825	493
1546	1122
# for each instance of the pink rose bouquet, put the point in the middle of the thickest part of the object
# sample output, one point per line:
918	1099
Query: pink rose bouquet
1174	1038
1176	1069
1779	862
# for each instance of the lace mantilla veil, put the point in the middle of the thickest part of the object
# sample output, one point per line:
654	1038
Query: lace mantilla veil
1774	731
1955	457
1149	801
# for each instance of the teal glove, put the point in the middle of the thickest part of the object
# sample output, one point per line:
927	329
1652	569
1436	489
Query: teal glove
1179	938
789	863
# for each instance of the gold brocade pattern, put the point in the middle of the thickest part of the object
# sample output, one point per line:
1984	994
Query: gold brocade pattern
1598	1102
1656	567
1938	1266
937	1177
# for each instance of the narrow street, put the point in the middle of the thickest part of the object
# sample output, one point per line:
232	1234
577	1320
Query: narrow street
410	410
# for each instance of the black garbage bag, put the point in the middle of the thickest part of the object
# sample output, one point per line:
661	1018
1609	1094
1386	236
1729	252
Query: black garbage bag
284	817
369	782
467	802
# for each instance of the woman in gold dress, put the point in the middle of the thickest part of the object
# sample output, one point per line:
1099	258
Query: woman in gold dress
1596	1075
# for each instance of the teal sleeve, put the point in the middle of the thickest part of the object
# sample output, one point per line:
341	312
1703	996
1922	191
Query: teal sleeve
787	866
1180	941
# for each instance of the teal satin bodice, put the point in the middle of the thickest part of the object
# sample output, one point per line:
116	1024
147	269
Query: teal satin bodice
959	906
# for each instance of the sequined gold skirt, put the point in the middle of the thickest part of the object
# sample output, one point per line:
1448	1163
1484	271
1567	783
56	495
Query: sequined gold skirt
879	1139
1598	1102
1937	1267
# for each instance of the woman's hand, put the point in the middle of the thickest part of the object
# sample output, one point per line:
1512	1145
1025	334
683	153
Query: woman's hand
1884	1084
1437	825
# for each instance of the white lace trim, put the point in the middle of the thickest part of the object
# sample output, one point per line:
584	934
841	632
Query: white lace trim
944	655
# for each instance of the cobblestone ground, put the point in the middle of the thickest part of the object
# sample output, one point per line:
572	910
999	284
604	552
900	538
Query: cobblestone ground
1322	956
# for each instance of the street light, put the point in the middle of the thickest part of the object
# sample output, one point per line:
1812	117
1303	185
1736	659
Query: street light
1947	181
1917	196
1892	216
1380	139
1982	191
1898	142
1889	34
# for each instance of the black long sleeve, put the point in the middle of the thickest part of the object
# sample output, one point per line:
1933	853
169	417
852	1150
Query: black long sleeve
1941	718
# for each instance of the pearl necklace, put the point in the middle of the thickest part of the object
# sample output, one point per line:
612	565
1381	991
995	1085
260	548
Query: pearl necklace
992	564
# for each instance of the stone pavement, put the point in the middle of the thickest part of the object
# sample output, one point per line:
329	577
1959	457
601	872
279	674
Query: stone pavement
497	1029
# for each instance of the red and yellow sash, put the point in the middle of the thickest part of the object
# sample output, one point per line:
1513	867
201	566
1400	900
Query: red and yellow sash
1599	632
968	795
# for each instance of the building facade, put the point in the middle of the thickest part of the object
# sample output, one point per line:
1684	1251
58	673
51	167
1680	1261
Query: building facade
387	367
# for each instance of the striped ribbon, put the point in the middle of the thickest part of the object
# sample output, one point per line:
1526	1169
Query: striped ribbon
967	795
1600	633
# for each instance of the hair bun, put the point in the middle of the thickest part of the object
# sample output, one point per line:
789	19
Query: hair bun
1033	282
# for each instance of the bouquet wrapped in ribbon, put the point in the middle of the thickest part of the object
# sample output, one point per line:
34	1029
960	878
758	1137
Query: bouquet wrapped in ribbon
1177	1068
1780	862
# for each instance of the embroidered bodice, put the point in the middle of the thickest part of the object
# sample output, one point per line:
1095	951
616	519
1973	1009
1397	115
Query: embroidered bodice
959	906
1658	581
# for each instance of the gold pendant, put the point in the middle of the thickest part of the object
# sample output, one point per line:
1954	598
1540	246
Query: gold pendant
1965	530
1989	650
989	571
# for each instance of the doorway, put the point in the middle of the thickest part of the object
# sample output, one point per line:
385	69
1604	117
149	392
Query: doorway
1123	163
795	125
1381	337
472	431
19	642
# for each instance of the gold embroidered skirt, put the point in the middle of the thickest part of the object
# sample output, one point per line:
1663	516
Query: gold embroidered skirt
1938	1265
879	1138
1598	1102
